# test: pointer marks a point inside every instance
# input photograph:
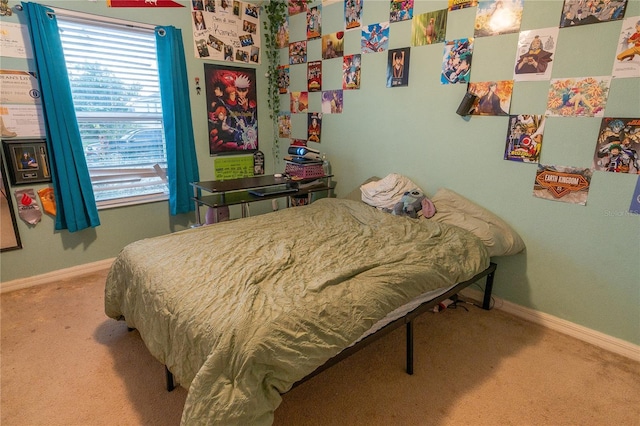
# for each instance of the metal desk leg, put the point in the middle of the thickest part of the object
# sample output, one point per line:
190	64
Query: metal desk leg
195	197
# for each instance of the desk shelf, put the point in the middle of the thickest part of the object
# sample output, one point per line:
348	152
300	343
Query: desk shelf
236	191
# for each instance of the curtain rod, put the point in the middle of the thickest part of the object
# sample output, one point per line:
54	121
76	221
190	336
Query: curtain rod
101	18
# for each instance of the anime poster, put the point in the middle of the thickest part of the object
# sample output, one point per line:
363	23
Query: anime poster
299	102
400	10
314	22
524	138
284	124
398	67
314	76
461	4
559	183
297	6
298	142
351	69
456	62
578	97
634	207
493	97
627	61
534	57
233	109
333	45
283	79
352	14
298	52
314	127
618	146
282	37
226	31
375	38
332	102
495	17
429	28
582	12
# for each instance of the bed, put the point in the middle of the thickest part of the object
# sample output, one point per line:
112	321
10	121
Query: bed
242	311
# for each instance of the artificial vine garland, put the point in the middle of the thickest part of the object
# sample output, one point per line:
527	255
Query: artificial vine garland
276	12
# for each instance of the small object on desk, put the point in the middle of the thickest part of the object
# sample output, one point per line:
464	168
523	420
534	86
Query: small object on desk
278	175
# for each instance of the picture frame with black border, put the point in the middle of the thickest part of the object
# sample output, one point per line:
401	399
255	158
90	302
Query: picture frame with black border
27	161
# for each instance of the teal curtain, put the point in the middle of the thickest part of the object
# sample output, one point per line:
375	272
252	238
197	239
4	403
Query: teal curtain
182	165
75	202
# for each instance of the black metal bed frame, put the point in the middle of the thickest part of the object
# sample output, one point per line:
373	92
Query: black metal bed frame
406	320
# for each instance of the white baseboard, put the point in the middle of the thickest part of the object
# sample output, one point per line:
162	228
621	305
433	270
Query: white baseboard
60	274
604	341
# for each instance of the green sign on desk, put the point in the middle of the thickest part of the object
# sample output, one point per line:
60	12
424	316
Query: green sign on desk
233	167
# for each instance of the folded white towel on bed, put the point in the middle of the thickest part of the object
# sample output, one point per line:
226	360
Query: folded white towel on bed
386	192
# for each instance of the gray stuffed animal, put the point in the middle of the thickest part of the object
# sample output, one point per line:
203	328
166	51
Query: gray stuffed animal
410	204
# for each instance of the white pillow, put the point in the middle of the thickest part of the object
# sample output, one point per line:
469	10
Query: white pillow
499	238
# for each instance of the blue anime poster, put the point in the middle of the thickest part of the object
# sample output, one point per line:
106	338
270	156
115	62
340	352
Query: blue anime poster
635	201
581	12
618	146
375	38
456	62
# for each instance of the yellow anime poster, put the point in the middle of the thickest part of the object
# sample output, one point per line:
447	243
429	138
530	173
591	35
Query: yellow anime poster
495	17
578	97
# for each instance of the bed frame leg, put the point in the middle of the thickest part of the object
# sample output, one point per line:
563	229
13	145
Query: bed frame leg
488	289
169	376
410	347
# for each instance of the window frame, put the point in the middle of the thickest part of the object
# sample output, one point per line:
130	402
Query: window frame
159	169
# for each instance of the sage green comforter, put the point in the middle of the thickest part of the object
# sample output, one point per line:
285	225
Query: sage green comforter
241	310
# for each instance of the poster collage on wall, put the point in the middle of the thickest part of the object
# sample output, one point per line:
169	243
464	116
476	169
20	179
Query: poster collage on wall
582	96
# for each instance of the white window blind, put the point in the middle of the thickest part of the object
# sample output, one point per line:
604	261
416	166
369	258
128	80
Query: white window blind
113	71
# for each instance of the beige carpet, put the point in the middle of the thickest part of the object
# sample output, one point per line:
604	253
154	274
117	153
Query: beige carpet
64	363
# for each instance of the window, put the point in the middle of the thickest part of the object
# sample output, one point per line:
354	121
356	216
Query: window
113	71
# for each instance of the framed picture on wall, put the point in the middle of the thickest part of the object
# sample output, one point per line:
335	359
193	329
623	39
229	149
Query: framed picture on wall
232	109
27	161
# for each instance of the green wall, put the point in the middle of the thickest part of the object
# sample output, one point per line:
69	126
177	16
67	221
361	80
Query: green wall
582	263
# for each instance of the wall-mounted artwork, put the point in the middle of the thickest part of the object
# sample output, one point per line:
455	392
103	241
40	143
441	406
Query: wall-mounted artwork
429	28
618	146
314	127
298	52
627	61
352	14
332	102
495	17
226	30
233	109
9	235
456	62
333	45
375	38
524	138
401	10
560	183
534	58
578	97
493	97
398	67
351	69
314	22
27	161
581	12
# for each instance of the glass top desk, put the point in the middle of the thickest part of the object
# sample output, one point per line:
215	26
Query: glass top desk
236	191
